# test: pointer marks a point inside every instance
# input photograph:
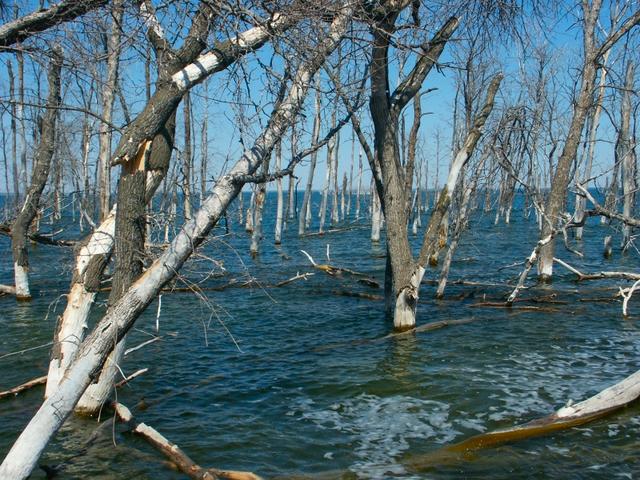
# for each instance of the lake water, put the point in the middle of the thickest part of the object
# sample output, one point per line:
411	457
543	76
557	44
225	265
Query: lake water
276	380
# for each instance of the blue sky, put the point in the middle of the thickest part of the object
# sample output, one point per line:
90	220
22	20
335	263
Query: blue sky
562	38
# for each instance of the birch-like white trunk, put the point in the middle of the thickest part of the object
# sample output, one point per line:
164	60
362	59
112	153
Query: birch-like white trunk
23	456
304	218
280	199
376	216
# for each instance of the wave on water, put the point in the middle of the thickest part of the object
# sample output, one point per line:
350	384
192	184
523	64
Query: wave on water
381	429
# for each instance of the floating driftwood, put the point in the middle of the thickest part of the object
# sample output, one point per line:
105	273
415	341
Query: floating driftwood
422	328
600	405
25	386
175	454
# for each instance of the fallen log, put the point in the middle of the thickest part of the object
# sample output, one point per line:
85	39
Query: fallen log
25	386
512	307
600	405
365	296
333	271
45	239
7	289
180	459
598	275
298	276
428	327
135	374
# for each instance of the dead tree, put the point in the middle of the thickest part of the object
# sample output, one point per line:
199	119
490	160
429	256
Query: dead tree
24	454
304	217
405	271
108	98
41	168
22	28
625	154
593	50
187	161
594	123
153	133
280	198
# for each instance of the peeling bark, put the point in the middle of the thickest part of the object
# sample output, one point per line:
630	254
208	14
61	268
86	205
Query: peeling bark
24	454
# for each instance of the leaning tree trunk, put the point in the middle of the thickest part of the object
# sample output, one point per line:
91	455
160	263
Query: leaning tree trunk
24	454
592	57
41	168
460	226
591	147
150	138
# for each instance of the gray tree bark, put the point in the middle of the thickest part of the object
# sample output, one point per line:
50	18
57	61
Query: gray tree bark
24	454
41	168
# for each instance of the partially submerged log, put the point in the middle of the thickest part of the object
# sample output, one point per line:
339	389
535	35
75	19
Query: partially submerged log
7	289
25	386
135	374
599	275
333	271
604	403
428	327
185	464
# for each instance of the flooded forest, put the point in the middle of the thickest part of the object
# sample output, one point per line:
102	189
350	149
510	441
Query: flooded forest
331	239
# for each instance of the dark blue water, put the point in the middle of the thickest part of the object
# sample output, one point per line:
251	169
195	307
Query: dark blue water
276	380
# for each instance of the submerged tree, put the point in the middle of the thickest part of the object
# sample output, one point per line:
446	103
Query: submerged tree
593	50
41	168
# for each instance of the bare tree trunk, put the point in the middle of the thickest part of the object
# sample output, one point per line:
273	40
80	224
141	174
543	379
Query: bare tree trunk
14	136
24	454
335	216
204	149
154	156
625	153
376	215
41	168
353	160
24	173
260	200
280	198
129	251
108	96
291	210
187	160
592	54
460	225
359	191
580	202
390	180
248	226
304	217
327	181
